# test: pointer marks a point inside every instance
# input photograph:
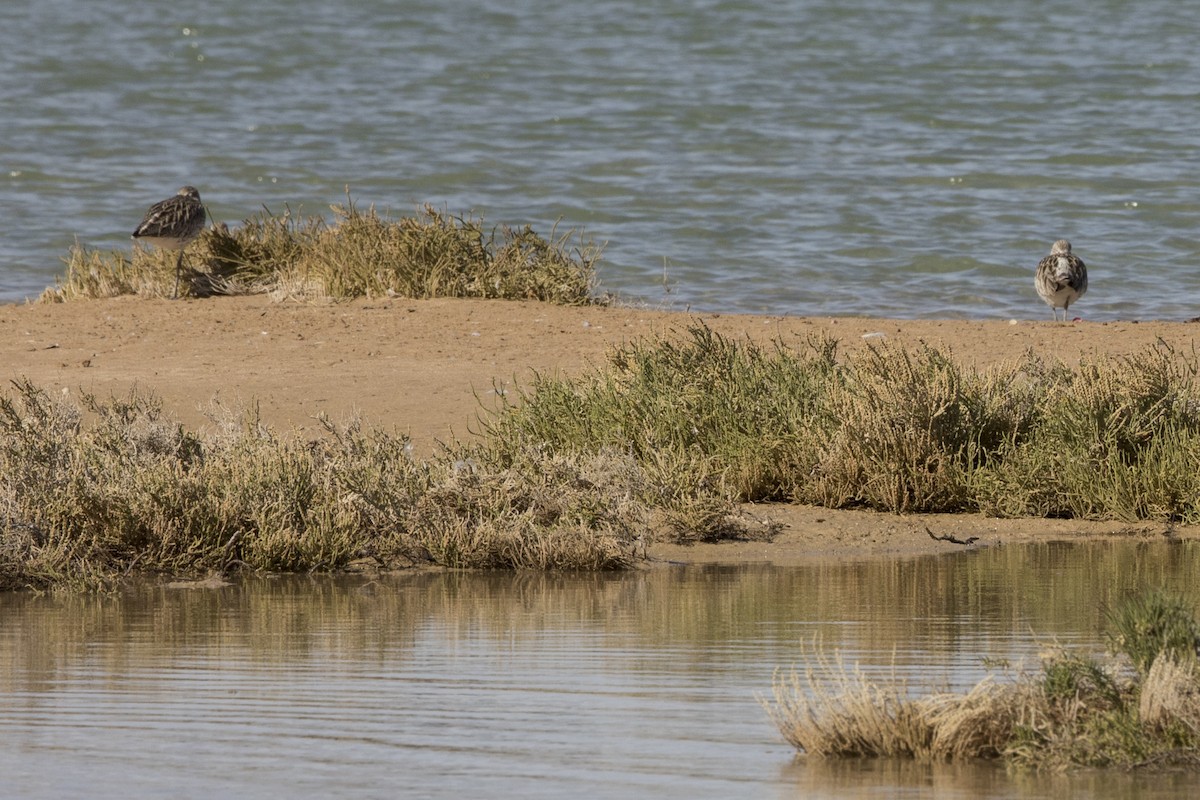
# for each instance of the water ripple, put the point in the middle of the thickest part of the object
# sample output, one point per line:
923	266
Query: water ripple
910	160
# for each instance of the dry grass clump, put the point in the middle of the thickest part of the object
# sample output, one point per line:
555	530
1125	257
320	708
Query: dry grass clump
437	255
850	715
908	431
361	254
1076	711
546	513
887	428
1170	696
92	490
853	716
93	274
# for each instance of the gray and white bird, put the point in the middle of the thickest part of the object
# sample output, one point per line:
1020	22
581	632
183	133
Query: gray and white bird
1061	278
172	224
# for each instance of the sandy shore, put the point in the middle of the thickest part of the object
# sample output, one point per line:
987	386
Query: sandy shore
424	367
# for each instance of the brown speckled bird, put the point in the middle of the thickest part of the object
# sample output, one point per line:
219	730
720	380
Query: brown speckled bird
172	224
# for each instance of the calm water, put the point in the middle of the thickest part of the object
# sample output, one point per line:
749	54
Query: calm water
450	685
891	157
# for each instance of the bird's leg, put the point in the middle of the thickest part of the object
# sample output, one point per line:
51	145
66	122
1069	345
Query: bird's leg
178	266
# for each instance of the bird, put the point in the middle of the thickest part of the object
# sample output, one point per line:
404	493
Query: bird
172	224
1061	278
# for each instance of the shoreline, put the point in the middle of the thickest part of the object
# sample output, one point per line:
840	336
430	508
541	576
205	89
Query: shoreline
428	368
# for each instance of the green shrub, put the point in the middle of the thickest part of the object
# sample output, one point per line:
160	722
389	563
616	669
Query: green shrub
1153	625
885	428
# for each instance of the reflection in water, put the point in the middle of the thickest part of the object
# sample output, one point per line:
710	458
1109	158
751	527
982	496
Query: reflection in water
440	684
816	778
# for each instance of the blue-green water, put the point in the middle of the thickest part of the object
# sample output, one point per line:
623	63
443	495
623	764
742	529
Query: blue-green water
455	685
877	157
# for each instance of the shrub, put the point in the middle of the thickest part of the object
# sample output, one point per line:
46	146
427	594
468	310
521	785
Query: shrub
887	428
362	254
1074	712
90	491
1153	625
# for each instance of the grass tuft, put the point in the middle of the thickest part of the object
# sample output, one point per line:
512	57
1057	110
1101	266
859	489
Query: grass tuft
1151	626
1075	711
888	428
92	490
360	254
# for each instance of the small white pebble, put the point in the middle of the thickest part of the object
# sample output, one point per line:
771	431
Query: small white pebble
875	335
1012	322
